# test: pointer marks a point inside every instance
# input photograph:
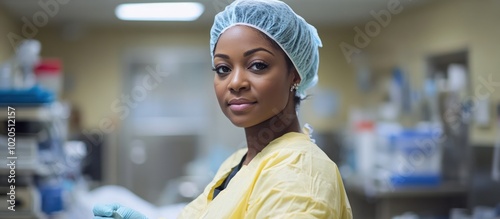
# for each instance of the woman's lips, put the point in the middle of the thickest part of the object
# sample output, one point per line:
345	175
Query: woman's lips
240	104
240	107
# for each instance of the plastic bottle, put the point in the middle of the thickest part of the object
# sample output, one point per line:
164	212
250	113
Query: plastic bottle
49	76
5	76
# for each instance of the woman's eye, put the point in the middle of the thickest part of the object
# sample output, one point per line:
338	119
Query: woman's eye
222	70
258	66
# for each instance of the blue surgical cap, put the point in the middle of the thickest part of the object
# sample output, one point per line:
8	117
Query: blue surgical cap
298	39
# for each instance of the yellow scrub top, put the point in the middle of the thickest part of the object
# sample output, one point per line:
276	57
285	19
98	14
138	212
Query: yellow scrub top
290	178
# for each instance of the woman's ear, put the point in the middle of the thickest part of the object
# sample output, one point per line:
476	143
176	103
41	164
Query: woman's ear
296	76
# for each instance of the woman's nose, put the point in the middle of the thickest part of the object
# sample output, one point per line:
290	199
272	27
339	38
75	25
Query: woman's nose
238	81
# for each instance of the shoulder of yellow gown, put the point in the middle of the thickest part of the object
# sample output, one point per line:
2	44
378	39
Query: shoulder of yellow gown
296	173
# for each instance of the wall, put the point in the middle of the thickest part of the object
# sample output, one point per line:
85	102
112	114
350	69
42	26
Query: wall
337	75
93	64
439	28
7	25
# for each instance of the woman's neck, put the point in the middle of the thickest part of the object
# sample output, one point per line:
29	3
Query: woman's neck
260	135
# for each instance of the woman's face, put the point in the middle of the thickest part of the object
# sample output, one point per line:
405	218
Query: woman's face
252	79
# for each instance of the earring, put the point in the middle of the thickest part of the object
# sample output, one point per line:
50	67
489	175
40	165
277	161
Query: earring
294	87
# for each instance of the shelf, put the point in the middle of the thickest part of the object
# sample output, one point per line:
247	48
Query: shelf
446	189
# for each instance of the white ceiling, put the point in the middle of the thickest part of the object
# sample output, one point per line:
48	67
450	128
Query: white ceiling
101	12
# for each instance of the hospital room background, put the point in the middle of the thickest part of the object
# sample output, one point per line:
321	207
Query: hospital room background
115	110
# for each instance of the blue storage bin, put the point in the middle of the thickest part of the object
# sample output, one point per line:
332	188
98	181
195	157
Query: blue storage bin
416	159
26	97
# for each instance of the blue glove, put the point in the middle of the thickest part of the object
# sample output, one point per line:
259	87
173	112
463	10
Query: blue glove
116	211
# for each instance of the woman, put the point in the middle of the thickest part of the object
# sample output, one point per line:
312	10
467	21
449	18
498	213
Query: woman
265	57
